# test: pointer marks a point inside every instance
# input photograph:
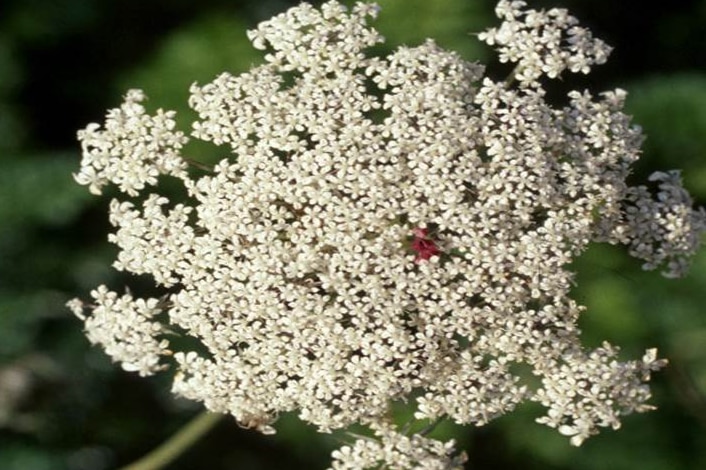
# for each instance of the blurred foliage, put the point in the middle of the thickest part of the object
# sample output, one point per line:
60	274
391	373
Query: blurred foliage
63	405
451	23
672	112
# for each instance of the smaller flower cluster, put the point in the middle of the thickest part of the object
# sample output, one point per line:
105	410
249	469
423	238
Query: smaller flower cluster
395	451
586	390
663	230
132	150
125	328
304	38
151	242
543	43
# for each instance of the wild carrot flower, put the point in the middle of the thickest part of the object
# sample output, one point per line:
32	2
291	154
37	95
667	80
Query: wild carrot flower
289	263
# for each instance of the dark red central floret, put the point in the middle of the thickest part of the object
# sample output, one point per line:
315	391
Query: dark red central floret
423	245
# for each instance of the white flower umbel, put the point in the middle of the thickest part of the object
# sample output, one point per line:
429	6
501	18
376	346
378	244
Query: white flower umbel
125	329
132	149
395	451
384	229
543	43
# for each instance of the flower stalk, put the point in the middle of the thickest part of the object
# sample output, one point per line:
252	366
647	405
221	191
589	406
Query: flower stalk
177	444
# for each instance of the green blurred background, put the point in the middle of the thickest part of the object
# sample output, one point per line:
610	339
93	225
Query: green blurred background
64	406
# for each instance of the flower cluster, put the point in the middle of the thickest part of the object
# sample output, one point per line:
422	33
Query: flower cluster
392	450
124	327
663	230
543	43
384	229
132	150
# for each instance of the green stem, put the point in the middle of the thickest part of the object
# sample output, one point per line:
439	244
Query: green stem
177	444
199	165
512	77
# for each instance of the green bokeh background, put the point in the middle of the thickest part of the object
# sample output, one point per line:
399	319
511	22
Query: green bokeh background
64	406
